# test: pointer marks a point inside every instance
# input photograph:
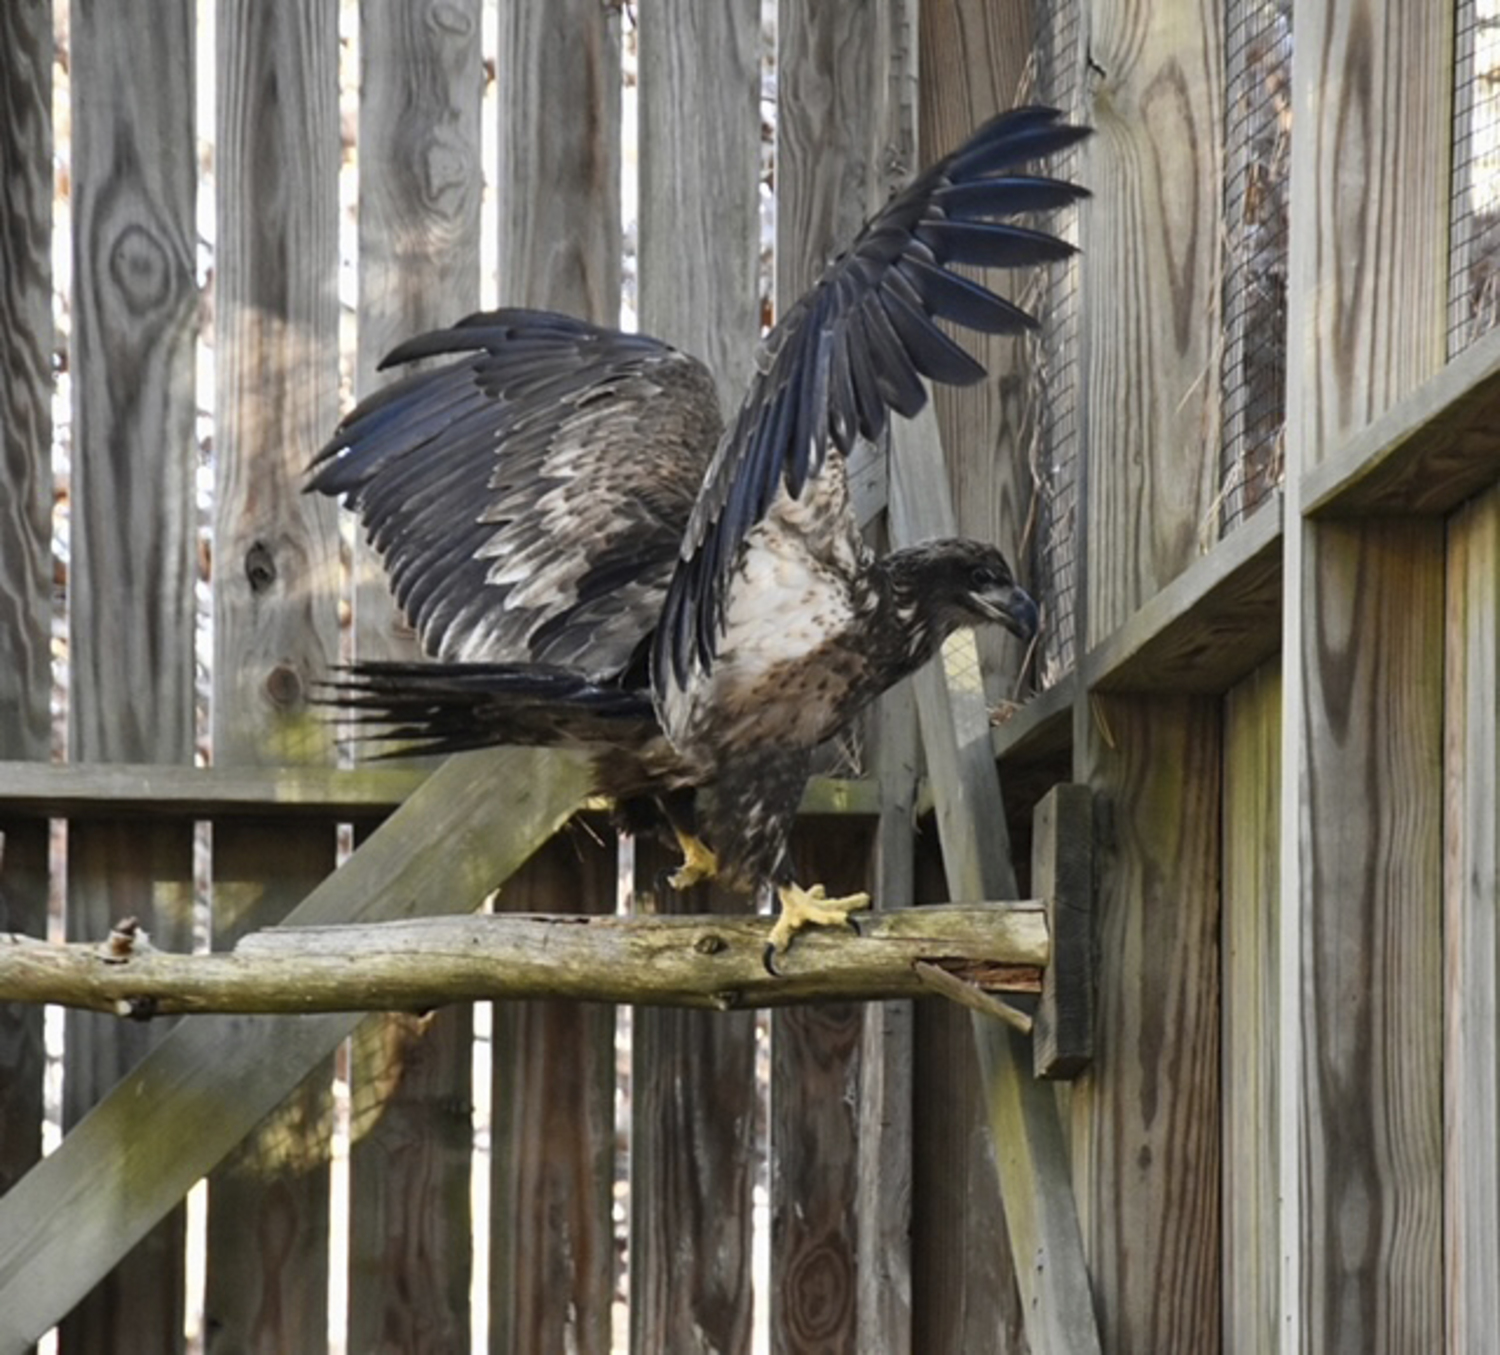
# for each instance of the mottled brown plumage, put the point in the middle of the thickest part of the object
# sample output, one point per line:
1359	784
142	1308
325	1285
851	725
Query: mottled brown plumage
593	559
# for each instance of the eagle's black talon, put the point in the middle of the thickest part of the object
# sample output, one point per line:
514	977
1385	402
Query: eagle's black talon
768	959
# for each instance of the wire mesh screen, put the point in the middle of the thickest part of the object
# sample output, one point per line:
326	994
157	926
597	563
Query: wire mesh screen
1056	449
1474	266
1257	191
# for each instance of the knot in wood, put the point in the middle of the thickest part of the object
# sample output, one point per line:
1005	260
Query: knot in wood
284	685
710	943
260	567
141	269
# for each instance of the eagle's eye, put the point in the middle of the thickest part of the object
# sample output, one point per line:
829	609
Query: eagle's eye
984	577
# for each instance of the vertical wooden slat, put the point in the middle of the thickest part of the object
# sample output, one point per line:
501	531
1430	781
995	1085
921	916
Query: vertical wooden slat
692	1079
1471	939
552	1261
1151	283
845	135
1360	952
25	531
559	178
1145	1119
131	571
1252	841
558	74
275	582
692	1149
410	1244
975	55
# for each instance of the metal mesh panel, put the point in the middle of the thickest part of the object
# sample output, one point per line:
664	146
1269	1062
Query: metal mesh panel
1474	266
1054	552
1257	192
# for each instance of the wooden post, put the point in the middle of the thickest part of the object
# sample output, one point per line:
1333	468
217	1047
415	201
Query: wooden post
692	1172
1062	873
275	582
25	532
1360	953
411	1145
133	560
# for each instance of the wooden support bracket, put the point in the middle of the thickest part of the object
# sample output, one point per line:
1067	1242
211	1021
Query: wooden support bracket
1062	873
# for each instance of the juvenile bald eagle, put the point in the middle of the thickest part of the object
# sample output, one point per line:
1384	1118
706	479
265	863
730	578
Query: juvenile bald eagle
592	559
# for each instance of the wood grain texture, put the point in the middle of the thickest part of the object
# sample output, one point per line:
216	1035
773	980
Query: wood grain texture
1367	278
1146	1118
1471	960
131	568
1150	285
693	1092
700	134
1371	920
553	1267
815	1131
1252	853
974	54
1360	952
1045	1253
1211	626
211	1081
559	177
25	530
420	175
693	1107
275	583
1431	449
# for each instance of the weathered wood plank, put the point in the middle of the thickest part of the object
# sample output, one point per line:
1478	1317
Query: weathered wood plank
1251	904
411	1136
1427	453
132	557
1471	978
559	180
1209	627
553	1266
209	1082
974	54
1150	285
275	627
25	531
1146	1118
1041	1222
693	1108
693	1098
290	790
1360	1149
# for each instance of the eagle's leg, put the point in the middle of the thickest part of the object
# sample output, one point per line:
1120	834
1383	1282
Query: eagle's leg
811	907
698	861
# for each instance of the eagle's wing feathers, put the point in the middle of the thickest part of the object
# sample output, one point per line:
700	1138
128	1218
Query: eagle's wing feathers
529	498
857	346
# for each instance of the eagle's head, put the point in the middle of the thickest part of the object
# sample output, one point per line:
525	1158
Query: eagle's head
942	585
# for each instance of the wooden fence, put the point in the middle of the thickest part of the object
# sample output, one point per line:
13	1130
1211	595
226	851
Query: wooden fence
1289	1134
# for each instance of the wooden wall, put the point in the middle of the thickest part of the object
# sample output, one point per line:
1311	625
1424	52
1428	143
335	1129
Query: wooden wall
1287	1138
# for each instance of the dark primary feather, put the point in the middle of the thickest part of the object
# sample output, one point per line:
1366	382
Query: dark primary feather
528	500
856	347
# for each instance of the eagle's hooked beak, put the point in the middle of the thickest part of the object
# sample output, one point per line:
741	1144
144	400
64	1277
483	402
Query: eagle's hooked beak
1012	607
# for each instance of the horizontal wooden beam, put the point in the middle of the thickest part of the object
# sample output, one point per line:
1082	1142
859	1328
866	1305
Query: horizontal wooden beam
1219	620
1040	729
712	962
1428	453
70	790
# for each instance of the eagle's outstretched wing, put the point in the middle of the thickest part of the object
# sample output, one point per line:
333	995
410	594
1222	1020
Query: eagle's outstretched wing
529	500
856	347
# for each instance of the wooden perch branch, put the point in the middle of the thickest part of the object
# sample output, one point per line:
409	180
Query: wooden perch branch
418	964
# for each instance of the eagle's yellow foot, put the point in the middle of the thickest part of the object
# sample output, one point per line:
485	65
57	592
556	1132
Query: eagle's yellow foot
698	862
811	907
